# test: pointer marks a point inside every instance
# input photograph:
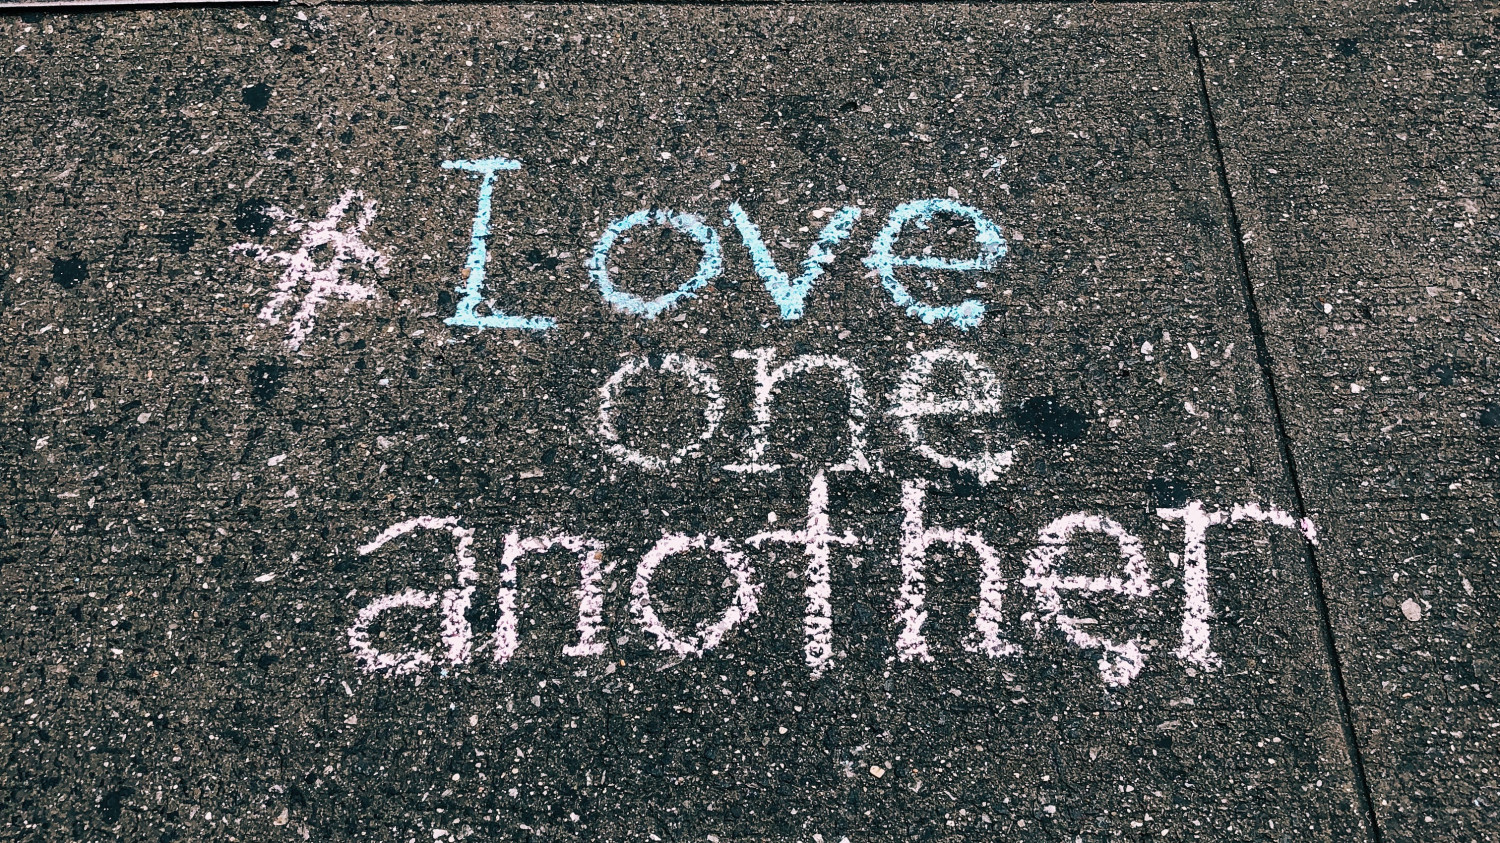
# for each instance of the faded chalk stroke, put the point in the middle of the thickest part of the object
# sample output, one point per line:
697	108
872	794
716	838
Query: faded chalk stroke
590	598
979	393
700	378
456	634
323	284
884	260
1196	647
707	635
766	381
788	293
466	313
1120	662
709	266
815	538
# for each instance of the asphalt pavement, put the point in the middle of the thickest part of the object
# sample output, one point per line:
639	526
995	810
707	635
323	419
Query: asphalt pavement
697	422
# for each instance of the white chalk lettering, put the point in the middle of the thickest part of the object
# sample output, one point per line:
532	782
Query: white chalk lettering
815	539
456	634
327	282
1196	647
1120	662
708	635
979	394
766	381
700	379
590	599
916	537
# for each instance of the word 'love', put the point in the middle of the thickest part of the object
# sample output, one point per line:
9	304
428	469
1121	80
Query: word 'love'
788	293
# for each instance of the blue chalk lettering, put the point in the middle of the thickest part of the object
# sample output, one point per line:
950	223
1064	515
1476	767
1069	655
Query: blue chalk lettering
473	288
787	293
709	267
884	261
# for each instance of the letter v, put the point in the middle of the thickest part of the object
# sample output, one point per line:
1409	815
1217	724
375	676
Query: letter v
788	293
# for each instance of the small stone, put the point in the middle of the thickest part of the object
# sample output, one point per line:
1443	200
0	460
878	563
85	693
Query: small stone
876	770
1411	610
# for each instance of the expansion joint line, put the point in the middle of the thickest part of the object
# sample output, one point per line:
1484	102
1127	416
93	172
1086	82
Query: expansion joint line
1362	794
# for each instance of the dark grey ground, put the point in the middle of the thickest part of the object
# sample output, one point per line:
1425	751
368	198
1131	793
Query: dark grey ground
158	687
1364	164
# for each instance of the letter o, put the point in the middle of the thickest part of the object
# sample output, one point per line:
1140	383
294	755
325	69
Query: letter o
709	266
707	635
699	376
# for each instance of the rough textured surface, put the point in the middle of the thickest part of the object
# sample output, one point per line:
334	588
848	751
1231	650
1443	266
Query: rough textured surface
187	497
1362	147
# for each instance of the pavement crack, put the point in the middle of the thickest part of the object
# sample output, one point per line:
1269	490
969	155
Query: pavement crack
1363	796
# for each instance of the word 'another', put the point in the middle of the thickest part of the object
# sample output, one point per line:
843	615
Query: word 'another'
1044	576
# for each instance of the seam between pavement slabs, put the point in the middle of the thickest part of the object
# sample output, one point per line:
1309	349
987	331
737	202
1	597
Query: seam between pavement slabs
1283	443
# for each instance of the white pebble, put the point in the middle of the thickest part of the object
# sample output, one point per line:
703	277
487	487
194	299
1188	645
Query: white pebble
1411	610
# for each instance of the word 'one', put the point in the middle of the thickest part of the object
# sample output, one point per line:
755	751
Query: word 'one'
974	391
788	293
1119	661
